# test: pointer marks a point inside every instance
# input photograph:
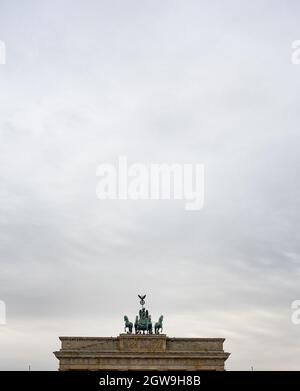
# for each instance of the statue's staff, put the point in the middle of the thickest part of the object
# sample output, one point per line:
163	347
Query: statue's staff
142	297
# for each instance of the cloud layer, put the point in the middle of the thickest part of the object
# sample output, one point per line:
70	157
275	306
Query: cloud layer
158	82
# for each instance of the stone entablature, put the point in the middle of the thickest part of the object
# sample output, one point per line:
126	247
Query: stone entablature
141	352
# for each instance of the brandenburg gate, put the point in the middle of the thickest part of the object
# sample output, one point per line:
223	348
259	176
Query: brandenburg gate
145	349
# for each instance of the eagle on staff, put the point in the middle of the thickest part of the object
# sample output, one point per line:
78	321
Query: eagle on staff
142	297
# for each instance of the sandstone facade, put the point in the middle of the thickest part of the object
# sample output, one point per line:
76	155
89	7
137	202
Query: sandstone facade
141	352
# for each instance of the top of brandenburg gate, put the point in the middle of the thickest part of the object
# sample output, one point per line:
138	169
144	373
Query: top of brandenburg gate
144	349
143	323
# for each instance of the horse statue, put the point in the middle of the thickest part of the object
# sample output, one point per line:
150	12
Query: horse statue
158	325
128	325
144	324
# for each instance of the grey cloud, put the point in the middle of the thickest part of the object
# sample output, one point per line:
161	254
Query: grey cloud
159	82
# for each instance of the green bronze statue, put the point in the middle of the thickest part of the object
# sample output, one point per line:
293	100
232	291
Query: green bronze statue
143	322
128	325
158	325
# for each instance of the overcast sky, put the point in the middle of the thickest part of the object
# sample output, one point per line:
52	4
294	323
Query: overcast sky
207	82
